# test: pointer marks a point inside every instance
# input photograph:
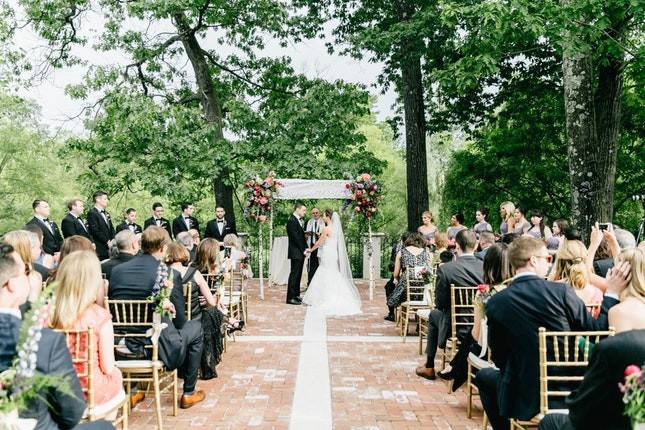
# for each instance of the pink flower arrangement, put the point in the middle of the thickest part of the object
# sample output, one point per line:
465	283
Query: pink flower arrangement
634	393
260	194
365	195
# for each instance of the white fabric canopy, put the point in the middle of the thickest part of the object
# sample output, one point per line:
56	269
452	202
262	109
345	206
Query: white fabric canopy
294	189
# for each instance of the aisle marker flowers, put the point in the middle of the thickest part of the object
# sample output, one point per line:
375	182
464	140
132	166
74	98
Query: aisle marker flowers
260	194
365	196
634	394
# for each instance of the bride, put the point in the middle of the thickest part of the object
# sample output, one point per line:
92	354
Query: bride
332	288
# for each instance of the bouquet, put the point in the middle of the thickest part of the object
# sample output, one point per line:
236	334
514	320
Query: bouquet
634	393
484	294
161	289
259	196
426	275
366	193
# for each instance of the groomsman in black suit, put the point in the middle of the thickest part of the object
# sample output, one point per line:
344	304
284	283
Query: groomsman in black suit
100	223
157	219
186	220
73	224
52	240
130	222
219	227
297	252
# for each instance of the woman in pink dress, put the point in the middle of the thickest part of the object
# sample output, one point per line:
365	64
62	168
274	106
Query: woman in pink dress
78	280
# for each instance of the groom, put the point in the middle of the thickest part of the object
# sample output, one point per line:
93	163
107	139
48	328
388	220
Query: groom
298	250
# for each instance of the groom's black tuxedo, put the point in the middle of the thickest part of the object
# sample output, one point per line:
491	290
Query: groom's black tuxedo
52	240
296	253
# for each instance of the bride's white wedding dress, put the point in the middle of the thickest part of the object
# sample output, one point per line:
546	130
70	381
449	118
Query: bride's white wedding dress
332	288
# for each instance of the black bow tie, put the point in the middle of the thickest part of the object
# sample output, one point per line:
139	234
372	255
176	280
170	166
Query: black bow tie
220	221
103	212
45	219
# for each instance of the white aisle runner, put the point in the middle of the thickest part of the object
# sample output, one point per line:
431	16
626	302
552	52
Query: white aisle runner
311	407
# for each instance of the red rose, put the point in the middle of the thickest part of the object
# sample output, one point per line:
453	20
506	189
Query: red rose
482	288
632	369
348	186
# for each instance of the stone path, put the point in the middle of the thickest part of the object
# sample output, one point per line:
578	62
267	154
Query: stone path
294	369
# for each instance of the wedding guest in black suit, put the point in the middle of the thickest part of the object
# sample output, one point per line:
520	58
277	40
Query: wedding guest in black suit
130	222
135	280
297	252
486	240
219	227
185	221
52	240
57	408
598	402
514	316
100	225
157	219
465	271
128	245
73	224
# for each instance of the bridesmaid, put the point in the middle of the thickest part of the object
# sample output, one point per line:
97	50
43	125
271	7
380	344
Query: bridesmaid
521	224
538	230
456	225
482	225
506	211
428	229
558	228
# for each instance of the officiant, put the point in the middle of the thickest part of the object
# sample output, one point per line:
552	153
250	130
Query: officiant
314	227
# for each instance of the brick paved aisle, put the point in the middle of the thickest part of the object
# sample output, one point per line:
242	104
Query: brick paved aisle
357	361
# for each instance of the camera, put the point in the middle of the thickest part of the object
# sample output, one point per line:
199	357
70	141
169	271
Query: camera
227	252
604	225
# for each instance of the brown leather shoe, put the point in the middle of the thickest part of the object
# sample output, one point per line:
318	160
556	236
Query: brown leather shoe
426	372
136	398
192	400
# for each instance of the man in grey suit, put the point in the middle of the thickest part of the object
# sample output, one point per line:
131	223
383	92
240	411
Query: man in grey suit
465	271
54	409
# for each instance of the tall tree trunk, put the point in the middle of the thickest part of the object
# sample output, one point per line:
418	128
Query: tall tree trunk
211	106
415	142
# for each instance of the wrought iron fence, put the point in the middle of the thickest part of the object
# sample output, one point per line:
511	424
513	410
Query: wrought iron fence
354	251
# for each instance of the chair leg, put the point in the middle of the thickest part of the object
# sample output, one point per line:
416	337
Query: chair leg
484	422
406	321
175	397
128	390
124	416
155	381
420	342
469	393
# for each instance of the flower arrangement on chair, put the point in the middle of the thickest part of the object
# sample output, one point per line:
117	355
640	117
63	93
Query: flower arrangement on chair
260	193
634	394
161	290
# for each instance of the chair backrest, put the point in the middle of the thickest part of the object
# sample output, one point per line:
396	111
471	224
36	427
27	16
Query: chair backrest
564	356
462	307
213	280
188	299
80	343
131	319
415	287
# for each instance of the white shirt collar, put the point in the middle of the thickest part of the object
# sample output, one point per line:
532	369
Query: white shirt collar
523	274
11	311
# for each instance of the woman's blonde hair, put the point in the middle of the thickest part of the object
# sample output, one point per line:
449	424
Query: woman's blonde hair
231	240
571	264
429	215
78	280
441	240
20	240
509	207
636	258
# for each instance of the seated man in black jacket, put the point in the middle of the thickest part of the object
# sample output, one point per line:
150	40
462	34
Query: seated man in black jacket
54	409
465	271
514	316
128	245
134	280
598	402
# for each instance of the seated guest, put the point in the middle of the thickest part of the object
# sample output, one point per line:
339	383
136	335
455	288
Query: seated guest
456	225
446	257
157	219
428	229
538	230
73	224
626	239
22	242
207	259
413	254
465	271
482	224
390	285
78	281
204	308
571	268
61	406
440	244
486	240
186	240
52	240
514	316
128	245
38	257
234	253
630	313
185	221
496	270
134	280
521	224
598	402
507	213
508	238
558	228
130	222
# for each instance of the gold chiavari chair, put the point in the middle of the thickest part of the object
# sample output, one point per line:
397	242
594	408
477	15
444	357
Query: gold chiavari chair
136	319
231	295
424	314
417	298
462	315
80	343
188	299
564	357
